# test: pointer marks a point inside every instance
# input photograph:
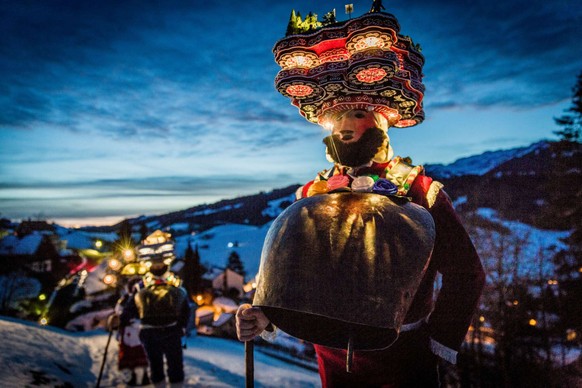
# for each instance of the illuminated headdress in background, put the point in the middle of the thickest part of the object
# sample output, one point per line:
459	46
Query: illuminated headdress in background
362	63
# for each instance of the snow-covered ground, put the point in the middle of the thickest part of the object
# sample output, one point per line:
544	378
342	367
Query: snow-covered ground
535	245
32	355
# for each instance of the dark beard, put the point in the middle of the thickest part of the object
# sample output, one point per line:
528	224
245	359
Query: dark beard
358	153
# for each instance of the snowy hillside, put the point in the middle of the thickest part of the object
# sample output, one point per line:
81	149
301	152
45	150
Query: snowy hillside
215	245
48	357
483	163
533	242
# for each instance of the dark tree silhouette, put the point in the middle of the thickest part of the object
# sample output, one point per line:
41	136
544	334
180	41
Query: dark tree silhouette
565	206
143	231
235	264
192	272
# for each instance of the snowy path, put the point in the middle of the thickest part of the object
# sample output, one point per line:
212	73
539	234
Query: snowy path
49	357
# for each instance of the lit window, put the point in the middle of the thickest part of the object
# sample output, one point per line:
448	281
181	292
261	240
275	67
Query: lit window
146	251
167	247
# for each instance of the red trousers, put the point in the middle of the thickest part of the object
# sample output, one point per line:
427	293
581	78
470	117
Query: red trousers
407	363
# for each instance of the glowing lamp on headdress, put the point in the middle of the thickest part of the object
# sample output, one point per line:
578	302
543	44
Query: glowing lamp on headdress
363	63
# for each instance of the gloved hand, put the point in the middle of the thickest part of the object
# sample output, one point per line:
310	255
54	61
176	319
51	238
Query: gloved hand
250	322
113	322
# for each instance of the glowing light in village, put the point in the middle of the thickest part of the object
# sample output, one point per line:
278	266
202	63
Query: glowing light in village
109	279
114	264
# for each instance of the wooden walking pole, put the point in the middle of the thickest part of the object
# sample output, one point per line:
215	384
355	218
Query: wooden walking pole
104	358
350	355
249	364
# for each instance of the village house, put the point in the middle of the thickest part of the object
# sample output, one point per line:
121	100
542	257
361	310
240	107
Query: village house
36	249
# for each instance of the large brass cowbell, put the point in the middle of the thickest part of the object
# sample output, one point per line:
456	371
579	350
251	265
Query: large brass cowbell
341	269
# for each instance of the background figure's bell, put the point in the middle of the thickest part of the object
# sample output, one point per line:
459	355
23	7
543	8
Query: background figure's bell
344	265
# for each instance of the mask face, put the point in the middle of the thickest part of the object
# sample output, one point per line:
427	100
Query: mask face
356	152
350	125
358	136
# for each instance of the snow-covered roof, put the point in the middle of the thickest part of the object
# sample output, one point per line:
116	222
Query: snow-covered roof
180	226
222	319
225	304
216	272
28	245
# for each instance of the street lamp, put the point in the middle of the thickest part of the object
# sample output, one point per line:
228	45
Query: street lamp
128	254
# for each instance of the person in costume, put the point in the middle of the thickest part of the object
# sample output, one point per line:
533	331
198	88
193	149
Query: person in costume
132	357
379	87
162	307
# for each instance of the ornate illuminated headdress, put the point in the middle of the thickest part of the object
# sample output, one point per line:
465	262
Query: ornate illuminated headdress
363	63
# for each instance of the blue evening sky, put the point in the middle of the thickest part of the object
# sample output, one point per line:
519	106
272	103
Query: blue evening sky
111	109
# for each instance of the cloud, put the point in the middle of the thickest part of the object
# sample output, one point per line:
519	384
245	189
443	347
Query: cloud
113	89
107	197
517	53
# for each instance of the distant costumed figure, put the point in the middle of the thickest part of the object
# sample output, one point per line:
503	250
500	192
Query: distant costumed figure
161	306
132	357
351	265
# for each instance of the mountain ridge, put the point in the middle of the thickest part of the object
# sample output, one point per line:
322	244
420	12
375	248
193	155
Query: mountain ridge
483	163
510	181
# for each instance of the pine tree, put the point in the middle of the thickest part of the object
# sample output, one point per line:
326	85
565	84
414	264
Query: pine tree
571	122
193	271
235	264
124	231
566	206
143	231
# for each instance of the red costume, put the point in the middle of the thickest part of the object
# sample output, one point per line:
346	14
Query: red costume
357	79
429	327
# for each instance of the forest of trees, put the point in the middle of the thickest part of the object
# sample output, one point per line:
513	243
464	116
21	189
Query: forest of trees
530	317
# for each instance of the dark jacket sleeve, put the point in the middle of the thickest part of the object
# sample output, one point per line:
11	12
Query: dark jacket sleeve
463	277
129	310
185	312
